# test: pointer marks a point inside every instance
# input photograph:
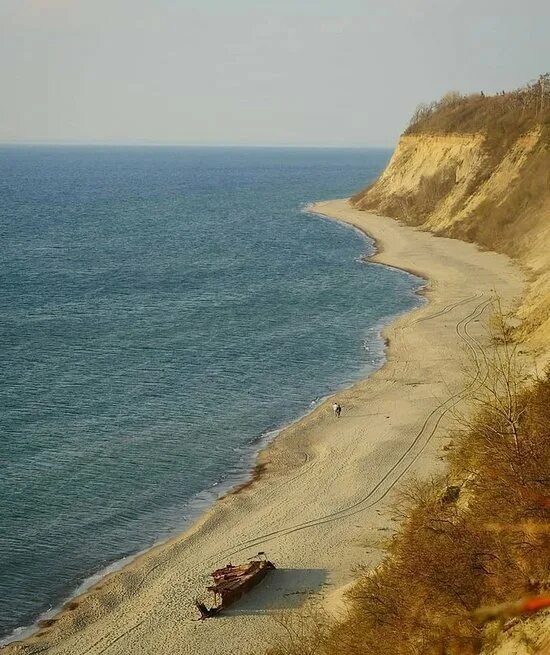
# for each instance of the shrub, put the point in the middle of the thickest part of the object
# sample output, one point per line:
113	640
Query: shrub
483	540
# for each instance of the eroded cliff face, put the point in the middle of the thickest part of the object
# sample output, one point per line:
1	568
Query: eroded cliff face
464	187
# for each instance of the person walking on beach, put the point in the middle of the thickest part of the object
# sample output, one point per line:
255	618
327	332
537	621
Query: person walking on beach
337	409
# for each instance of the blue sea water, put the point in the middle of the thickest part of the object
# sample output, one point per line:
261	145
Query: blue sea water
160	310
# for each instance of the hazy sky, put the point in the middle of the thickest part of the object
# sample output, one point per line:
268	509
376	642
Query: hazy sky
334	72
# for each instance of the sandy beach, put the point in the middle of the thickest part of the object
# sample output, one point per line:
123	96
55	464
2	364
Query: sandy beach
321	505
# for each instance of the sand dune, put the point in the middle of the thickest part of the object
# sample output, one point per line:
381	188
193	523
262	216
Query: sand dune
321	505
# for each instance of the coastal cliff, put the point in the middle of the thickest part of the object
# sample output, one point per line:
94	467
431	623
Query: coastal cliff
486	181
478	169
468	566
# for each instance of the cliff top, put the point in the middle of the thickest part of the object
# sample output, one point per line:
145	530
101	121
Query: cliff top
501	117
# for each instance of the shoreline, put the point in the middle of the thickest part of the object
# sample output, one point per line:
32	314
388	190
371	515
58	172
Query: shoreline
311	453
252	470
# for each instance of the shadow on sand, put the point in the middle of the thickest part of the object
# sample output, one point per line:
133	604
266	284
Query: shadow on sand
281	589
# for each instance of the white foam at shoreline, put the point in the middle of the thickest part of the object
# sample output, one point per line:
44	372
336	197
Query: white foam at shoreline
205	499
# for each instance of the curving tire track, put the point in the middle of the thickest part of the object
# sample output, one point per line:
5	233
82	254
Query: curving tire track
448	308
446	406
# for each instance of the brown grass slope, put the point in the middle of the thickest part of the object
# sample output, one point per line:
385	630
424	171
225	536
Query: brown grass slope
477	537
478	168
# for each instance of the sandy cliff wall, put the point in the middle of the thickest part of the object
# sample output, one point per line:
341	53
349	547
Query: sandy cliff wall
460	185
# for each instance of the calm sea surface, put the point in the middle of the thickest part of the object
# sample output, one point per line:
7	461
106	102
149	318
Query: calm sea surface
160	310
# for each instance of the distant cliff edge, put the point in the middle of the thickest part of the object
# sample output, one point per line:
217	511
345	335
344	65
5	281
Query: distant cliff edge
478	168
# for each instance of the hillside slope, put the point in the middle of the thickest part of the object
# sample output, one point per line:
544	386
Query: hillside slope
478	169
473	544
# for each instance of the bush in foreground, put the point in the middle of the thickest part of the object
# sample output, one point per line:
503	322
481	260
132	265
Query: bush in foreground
481	541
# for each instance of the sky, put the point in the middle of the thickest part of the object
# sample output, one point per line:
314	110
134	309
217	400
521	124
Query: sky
252	72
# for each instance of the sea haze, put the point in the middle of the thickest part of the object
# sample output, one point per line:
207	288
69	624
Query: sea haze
160	310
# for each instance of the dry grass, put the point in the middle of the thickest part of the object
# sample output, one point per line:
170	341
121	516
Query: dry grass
478	536
502	117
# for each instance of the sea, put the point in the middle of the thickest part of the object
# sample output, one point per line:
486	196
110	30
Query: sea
164	311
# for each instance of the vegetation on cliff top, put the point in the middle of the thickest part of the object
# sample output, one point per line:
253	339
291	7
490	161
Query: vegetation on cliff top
501	117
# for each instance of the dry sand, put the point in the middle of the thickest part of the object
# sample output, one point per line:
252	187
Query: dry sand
320	508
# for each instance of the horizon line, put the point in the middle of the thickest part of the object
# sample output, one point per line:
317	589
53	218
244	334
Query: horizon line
137	144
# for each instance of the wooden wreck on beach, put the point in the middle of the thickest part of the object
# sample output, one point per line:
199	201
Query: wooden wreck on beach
231	582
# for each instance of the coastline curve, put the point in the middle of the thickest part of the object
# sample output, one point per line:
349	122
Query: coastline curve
145	606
